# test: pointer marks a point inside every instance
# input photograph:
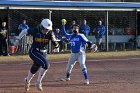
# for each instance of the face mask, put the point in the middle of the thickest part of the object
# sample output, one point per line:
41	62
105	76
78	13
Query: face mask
74	31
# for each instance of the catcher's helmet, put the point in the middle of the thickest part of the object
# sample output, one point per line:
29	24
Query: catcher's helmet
47	24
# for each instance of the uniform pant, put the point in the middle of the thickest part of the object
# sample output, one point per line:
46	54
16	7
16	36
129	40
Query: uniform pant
39	58
3	46
80	57
98	42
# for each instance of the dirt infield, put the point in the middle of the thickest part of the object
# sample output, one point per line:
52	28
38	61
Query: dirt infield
106	75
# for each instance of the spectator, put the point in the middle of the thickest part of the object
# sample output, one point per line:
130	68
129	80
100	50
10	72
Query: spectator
71	26
84	28
59	38
3	40
132	43
21	27
99	33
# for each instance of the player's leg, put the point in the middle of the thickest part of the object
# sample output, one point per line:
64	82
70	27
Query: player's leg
30	75
43	69
44	65
1	45
5	47
99	43
81	60
41	75
70	65
32	71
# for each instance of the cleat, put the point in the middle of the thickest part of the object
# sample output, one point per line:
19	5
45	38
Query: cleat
65	79
86	82
39	86
27	85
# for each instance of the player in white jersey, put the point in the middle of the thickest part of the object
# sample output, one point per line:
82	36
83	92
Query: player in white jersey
77	46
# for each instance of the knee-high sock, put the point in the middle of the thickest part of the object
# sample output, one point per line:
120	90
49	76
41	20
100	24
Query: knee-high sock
67	75
30	76
41	74
85	73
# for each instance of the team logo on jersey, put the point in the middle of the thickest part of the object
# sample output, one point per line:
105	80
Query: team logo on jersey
41	40
75	39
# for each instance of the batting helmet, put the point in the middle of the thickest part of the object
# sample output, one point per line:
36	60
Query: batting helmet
47	24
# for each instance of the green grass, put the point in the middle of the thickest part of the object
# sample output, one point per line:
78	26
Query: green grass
25	58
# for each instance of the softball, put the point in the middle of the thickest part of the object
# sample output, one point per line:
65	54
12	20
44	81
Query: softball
64	21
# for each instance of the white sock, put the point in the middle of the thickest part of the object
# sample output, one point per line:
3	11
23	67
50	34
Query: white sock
29	77
41	74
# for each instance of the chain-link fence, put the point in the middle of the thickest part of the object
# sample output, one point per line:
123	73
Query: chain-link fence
120	23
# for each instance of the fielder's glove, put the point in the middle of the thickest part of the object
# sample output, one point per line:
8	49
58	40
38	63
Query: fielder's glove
94	48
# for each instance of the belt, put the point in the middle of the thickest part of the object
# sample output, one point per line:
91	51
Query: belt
41	50
79	52
75	52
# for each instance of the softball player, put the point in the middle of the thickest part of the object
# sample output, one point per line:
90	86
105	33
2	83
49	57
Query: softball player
41	37
77	44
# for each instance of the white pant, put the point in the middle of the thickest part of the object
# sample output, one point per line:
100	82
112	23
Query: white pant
80	57
98	41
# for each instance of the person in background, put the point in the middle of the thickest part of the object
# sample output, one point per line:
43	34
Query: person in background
71	26
21	27
84	28
4	40
99	33
59	38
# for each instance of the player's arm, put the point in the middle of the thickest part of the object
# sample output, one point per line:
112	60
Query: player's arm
84	39
23	32
90	45
104	30
54	40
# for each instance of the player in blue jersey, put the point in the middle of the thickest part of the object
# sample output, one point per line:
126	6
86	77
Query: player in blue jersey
41	37
77	46
99	33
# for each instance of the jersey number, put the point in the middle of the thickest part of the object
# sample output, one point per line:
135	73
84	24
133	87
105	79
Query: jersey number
72	43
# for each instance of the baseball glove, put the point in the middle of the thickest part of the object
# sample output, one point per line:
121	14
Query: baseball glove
94	48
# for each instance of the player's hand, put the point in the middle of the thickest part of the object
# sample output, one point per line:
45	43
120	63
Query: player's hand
64	21
94	48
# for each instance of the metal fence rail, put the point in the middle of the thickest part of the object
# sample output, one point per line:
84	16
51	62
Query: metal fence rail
24	44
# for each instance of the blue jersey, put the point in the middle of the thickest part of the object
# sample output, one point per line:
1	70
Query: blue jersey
40	40
23	26
84	29
77	41
100	31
